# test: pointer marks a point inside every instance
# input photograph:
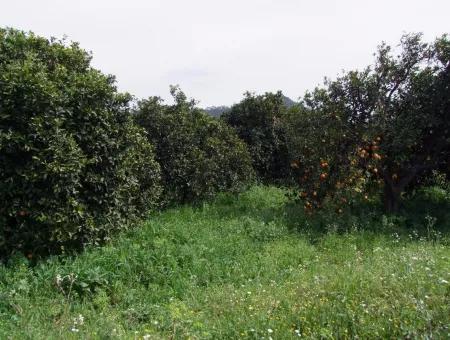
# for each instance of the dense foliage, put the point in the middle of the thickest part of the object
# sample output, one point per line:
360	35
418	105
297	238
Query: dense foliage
77	163
258	121
380	129
73	167
199	155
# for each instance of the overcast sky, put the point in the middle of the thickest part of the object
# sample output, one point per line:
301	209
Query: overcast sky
216	50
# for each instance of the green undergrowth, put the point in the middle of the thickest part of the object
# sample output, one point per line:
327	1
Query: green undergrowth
247	266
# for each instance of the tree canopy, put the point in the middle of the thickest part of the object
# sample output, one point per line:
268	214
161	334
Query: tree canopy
258	121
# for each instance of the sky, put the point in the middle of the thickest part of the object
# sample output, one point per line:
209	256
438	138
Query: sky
217	50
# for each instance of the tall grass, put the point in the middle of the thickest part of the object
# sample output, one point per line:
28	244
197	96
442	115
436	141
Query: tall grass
249	266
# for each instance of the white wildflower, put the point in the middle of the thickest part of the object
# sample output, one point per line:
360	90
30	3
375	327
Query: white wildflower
79	320
58	279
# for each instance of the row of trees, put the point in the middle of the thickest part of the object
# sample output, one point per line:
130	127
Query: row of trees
79	161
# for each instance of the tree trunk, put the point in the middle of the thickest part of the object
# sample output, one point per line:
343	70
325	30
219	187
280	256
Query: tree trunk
391	198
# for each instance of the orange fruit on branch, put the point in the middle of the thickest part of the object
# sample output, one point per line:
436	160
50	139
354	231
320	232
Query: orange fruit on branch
323	176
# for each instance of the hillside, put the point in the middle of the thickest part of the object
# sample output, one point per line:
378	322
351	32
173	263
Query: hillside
240	267
216	111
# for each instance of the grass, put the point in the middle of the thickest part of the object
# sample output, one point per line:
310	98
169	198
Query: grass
247	267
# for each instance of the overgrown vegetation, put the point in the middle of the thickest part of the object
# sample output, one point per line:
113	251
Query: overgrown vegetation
247	267
78	163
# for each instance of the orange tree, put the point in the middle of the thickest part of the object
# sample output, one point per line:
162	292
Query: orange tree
257	120
383	127
199	155
74	168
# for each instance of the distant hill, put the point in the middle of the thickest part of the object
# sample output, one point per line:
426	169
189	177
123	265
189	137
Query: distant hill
288	102
216	111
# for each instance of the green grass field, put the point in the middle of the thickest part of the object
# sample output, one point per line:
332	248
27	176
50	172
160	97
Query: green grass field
247	267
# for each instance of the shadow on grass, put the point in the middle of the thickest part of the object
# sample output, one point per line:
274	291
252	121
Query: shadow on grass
423	216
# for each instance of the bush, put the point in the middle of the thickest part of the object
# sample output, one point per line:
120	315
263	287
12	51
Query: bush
199	155
73	167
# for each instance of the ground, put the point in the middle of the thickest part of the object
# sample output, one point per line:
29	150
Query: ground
251	266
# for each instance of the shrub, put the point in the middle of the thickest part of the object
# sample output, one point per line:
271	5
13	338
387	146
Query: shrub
199	155
73	167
